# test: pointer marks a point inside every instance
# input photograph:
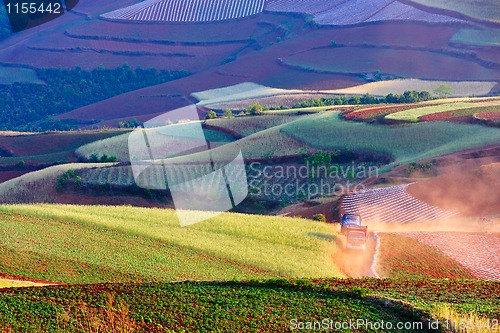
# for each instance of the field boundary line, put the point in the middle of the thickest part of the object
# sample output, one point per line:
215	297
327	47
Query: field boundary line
375	255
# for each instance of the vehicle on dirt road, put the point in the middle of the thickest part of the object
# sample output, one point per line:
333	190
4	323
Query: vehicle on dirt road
355	233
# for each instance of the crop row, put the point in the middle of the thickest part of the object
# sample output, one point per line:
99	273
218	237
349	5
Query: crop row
391	205
187	10
346	12
415	113
491	116
468	250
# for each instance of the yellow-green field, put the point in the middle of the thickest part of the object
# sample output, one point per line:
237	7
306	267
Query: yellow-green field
83	244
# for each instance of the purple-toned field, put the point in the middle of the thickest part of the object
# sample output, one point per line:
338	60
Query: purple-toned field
397	62
348	12
187	11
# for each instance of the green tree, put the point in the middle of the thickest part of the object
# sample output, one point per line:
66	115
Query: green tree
443	91
228	113
255	108
211	115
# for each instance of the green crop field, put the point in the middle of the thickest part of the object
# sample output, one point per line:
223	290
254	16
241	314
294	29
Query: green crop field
167	137
276	305
407	143
482	37
82	244
412	115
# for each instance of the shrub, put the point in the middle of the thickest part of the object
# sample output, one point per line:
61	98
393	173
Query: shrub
319	217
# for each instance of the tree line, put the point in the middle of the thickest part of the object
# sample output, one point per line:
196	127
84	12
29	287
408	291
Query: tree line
406	97
28	107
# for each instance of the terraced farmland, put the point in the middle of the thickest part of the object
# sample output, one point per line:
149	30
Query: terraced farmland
414	114
342	12
485	10
187	10
397	62
406	143
476	252
391	205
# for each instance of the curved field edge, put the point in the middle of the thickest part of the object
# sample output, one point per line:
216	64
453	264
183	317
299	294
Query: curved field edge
143	241
413	115
269	305
407	143
403	257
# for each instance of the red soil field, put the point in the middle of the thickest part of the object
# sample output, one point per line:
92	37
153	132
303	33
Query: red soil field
370	113
416	35
479	253
493	116
48	143
6	175
401	63
215	32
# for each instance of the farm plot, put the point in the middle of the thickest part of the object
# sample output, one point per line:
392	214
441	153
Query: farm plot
488	10
391	205
116	176
374	112
50	143
187	10
238	92
10	75
266	144
265	244
401	63
407	144
216	32
481	37
382	88
479	253
38	186
347	12
160	142
413	115
246	126
463	115
489	116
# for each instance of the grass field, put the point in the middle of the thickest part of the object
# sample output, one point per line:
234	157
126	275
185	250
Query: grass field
104	243
480	37
238	92
406	143
487	10
38	186
10	75
412	115
168	138
382	88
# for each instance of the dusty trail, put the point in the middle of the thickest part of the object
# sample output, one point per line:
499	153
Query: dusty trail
355	263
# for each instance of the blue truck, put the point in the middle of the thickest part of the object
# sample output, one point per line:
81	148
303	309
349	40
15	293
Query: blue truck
355	233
